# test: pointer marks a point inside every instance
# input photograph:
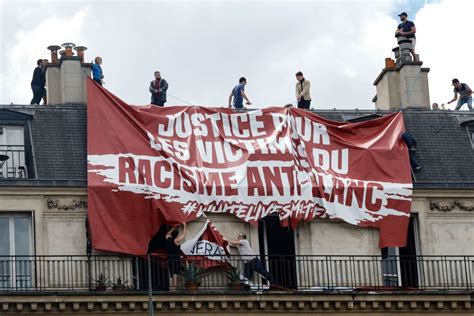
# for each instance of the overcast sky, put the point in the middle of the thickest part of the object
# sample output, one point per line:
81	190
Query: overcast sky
203	47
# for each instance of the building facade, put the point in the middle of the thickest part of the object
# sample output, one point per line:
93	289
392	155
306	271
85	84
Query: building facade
47	267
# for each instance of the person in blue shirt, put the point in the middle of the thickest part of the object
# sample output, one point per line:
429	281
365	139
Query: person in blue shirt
97	74
238	94
408	29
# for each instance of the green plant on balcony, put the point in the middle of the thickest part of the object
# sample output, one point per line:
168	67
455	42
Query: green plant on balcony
101	282
233	275
119	285
193	275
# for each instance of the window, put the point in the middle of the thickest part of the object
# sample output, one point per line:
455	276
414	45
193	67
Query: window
15	249
12	152
399	265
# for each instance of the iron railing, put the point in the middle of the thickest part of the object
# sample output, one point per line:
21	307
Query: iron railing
293	273
13	161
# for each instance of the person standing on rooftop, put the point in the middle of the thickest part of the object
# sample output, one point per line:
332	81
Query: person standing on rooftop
465	95
38	82
408	29
238	95
303	95
97	74
158	88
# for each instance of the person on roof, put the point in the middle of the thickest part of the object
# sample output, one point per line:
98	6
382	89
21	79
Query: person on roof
97	74
411	143
238	95
158	88
465	95
303	95
408	29
38	82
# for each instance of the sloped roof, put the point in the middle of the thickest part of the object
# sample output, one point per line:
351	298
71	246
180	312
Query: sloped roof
59	137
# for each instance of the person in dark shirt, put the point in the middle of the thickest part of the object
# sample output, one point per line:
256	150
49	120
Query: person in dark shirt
465	95
158	88
408	29
38	82
411	143
174	239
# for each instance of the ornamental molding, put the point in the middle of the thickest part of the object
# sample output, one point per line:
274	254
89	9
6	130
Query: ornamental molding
232	304
448	207
71	205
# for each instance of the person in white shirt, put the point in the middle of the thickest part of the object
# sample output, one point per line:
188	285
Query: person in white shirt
252	262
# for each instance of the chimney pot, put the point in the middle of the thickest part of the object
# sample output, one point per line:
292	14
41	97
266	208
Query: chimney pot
80	52
68	47
54	53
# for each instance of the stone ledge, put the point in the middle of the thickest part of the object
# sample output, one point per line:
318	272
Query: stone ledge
279	303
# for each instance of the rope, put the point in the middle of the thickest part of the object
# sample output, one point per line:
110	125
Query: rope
181	100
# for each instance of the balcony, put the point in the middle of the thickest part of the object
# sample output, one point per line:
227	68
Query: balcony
293	274
13	161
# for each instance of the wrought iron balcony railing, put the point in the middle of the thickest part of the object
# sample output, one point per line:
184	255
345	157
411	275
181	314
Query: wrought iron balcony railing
13	161
291	273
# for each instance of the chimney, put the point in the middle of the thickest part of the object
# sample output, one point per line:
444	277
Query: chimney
403	84
65	77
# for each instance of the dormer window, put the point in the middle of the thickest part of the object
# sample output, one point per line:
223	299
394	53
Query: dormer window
12	152
469	126
15	146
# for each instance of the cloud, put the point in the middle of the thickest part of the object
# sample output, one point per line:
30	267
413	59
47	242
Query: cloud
444	43
29	45
202	48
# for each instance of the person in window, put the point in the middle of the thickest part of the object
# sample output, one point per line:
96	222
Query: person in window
408	29
303	95
238	95
174	239
97	74
38	82
252	262
465	95
158	88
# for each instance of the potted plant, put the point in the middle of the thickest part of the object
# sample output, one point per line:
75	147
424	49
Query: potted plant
101	283
193	274
233	275
119	285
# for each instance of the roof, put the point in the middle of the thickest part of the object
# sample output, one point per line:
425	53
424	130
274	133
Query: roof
59	139
59	144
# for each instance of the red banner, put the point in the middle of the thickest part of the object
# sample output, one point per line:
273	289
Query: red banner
149	166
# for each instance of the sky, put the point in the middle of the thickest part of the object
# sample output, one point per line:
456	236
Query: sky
202	48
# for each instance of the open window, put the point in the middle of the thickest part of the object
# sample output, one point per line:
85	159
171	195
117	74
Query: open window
399	265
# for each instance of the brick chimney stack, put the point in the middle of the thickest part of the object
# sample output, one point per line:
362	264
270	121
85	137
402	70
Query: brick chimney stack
402	84
65	77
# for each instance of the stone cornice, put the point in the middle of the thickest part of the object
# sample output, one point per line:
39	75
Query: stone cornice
279	303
